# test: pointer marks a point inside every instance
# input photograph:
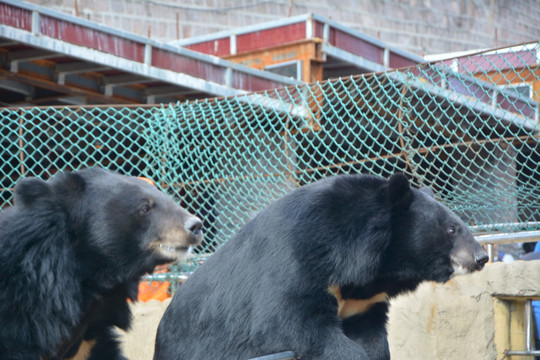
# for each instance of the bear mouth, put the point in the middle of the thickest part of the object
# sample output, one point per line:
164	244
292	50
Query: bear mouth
173	251
460	269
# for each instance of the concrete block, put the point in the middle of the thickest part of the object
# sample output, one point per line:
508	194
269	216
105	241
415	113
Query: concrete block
455	320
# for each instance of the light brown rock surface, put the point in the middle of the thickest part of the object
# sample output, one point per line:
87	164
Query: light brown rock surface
456	320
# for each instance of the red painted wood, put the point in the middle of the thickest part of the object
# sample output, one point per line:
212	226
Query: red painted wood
500	61
270	37
398	61
94	38
218	47
252	83
175	62
91	38
318	29
358	47
15	17
254	40
332	36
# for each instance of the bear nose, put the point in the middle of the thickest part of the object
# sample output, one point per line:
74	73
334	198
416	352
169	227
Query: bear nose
481	260
194	226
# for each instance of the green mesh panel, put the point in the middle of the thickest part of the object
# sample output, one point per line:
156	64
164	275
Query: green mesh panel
466	127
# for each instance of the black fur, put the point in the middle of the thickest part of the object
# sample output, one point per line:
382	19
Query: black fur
369	330
71	252
267	289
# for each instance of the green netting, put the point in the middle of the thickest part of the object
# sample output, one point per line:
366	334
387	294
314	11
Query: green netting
466	127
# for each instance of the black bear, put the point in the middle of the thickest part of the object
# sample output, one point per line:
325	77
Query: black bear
312	273
72	250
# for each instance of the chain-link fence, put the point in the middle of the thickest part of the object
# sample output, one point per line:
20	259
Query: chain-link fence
466	127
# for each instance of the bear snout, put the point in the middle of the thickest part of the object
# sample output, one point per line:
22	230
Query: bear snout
193	226
179	234
481	260
466	260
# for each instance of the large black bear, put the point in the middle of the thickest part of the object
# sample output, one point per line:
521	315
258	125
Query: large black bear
312	273
72	250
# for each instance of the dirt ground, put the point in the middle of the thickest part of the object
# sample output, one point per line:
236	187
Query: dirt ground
138	343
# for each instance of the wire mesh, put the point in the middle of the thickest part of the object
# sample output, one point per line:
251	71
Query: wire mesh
466	127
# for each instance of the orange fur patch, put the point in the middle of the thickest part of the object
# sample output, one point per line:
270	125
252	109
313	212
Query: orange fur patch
84	350
351	307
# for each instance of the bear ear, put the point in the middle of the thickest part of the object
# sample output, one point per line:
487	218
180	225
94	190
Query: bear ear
399	191
74	182
427	191
69	183
28	190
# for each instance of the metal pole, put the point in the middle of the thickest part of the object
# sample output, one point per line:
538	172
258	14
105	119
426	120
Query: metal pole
507	238
528	324
491	252
522	353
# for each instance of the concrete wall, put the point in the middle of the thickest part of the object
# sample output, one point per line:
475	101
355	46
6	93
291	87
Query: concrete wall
457	320
448	321
419	26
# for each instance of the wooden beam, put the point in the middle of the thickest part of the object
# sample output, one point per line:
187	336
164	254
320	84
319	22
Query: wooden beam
259	59
112	81
15	57
126	79
43	100
31	54
77	67
66	89
15	86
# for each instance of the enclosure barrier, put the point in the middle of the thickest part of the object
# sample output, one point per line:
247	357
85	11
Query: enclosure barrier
466	127
529	328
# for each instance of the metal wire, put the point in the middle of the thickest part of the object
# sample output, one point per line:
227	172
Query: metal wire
466	127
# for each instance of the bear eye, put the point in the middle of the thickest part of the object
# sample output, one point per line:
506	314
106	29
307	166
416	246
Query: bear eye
452	230
144	209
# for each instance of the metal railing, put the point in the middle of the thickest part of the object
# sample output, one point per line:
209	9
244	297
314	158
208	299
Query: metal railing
490	240
530	349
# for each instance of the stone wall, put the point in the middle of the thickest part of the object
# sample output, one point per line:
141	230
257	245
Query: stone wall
457	321
448	321
419	26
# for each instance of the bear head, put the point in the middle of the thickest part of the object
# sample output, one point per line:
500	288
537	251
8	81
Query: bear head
438	243
372	230
119	226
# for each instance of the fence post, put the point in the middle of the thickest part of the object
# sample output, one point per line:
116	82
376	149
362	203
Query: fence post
21	142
